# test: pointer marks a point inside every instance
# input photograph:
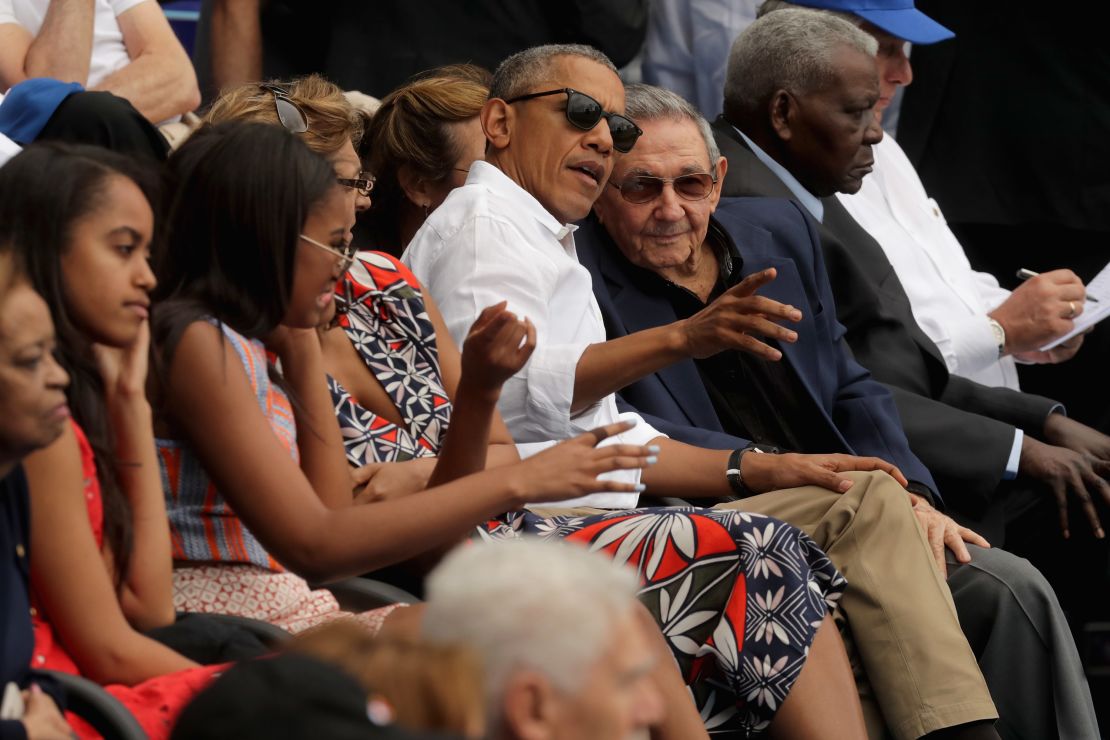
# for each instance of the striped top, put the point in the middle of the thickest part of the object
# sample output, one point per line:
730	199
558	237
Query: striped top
202	525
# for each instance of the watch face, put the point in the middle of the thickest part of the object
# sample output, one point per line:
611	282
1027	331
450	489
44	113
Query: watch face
999	336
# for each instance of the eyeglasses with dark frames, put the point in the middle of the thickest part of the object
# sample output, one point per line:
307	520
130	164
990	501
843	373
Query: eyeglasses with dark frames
289	113
346	255
364	183
646	188
583	112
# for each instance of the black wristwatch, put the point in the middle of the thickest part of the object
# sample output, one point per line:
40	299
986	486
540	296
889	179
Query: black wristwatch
732	474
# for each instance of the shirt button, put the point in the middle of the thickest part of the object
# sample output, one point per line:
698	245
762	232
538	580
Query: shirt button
34	612
40	659
20	551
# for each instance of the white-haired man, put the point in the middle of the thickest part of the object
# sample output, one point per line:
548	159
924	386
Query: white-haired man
564	651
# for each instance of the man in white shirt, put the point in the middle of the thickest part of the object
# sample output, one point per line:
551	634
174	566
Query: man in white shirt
125	47
979	327
505	236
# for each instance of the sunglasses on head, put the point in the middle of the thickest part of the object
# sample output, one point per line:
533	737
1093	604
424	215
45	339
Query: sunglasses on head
289	113
646	188
583	112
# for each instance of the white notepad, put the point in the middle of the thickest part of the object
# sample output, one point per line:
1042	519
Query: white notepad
1093	312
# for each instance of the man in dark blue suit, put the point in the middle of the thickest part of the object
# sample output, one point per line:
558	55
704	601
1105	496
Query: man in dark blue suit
846	410
660	246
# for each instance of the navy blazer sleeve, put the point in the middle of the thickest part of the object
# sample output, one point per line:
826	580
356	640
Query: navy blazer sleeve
864	412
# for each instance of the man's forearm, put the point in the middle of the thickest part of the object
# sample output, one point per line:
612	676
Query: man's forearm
607	367
63	47
688	472
159	86
236	43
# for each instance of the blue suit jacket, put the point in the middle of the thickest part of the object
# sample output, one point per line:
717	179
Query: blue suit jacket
768	232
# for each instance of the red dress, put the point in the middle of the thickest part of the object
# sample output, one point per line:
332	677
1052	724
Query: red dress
155	702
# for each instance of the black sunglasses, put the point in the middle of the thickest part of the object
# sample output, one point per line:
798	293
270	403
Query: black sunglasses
646	188
289	113
583	112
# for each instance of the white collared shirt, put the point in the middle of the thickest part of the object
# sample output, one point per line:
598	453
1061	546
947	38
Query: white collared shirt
492	241
950	300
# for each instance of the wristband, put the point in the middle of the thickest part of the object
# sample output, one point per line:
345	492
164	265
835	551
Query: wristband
732	474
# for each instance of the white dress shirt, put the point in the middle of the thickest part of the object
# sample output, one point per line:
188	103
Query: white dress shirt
492	241
950	300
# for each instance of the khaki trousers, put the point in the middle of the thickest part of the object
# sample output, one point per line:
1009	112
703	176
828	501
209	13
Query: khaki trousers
897	612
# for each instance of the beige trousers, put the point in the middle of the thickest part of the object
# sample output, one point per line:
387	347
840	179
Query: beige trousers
897	614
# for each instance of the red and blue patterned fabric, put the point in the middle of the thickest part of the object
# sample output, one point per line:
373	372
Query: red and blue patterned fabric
382	312
738	596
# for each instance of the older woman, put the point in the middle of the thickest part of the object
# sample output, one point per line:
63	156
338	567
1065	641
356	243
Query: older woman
33	414
315	110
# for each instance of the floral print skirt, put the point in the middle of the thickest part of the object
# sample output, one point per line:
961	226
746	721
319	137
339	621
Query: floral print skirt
738	596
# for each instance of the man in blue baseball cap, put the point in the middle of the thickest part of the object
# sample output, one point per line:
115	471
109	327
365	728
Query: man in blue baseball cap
687	42
899	18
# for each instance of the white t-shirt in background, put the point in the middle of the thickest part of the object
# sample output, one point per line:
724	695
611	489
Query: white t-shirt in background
108	51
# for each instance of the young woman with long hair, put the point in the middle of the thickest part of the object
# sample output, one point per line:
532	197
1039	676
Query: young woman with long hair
80	219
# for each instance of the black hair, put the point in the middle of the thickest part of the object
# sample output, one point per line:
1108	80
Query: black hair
236	198
44	191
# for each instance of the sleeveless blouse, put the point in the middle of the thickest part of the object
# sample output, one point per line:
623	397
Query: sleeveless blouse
382	312
203	526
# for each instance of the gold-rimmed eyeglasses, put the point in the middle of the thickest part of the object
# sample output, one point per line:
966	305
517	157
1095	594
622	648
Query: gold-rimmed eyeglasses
346	255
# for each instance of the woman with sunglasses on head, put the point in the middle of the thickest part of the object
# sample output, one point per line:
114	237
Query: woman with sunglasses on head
33	414
80	219
313	109
420	144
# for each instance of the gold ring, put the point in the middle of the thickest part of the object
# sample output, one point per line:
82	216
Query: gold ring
1071	310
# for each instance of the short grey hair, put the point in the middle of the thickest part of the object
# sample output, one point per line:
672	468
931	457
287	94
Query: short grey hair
650	103
790	50
521	71
529	604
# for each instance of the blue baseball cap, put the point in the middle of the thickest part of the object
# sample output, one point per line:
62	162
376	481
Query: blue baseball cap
897	17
